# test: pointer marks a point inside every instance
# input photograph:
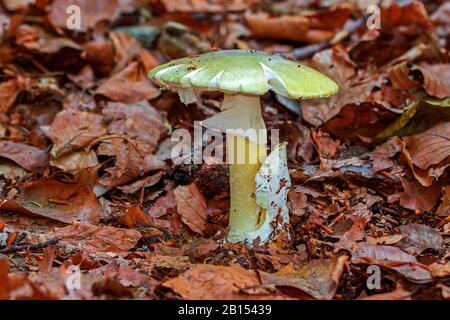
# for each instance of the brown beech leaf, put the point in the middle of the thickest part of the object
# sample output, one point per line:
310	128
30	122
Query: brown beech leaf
71	130
125	274
64	202
28	157
129	85
355	233
436	79
430	147
139	121
209	282
93	239
191	205
199	248
76	161
164	205
285	27
354	87
417	197
319	278
131	163
412	14
135	217
298	201
37	39
392	239
440	270
383	153
92	11
399	75
9	90
142	183
16	286
420	237
204	6
392	258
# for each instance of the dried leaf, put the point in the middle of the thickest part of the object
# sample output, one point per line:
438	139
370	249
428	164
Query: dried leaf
417	197
28	157
204	6
71	130
430	147
208	282
191	205
95	239
391	258
92	11
436	79
320	278
420	237
129	86
55	200
418	117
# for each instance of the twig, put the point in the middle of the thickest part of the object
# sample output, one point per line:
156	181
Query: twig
309	50
37	246
19	239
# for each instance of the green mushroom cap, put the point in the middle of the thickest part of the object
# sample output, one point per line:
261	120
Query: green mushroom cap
244	72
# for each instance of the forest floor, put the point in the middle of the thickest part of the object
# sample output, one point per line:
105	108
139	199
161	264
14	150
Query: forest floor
91	207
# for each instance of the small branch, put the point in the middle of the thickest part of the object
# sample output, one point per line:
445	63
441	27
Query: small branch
308	51
37	246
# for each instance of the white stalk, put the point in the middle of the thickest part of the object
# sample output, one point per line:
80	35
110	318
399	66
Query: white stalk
253	214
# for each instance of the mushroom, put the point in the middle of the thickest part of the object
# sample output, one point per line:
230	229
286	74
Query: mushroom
243	76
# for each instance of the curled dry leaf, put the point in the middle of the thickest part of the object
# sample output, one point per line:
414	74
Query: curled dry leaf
294	28
440	270
125	274
76	161
419	116
391	258
209	282
417	197
311	27
298	201
139	121
191	205
18	286
142	183
383	153
430	147
436	79
412	14
92	11
131	163
204	6
71	130
320	278
355	233
28	157
135	217
64	202
386	240
354	88
420	237
129	85
93	239
9	90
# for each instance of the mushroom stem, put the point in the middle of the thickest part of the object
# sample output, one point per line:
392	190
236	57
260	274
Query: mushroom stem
242	120
245	215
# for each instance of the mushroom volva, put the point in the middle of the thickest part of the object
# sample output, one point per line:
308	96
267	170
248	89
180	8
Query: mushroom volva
257	209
